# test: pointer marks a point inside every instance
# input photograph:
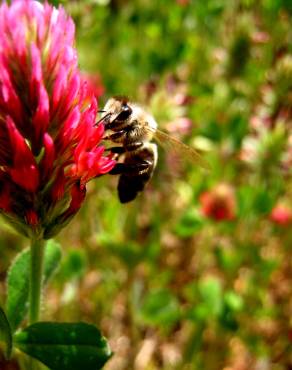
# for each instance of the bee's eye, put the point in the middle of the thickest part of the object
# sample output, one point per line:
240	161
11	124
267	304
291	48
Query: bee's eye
125	113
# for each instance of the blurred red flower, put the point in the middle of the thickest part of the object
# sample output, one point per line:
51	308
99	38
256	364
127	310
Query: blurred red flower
219	203
49	146
281	214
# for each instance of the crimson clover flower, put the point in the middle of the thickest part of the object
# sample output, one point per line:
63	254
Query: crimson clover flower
49	145
281	214
219	203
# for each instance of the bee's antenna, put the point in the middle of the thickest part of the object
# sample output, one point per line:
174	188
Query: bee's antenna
101	111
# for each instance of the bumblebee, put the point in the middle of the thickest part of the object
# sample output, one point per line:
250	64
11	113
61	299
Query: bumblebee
133	129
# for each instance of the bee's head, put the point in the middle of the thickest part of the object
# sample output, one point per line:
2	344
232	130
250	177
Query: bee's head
117	109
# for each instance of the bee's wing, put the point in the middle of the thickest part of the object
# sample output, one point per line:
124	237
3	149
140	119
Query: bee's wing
170	143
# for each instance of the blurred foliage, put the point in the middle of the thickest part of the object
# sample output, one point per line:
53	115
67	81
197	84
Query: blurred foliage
172	284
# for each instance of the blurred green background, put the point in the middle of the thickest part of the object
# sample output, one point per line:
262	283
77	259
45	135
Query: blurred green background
196	273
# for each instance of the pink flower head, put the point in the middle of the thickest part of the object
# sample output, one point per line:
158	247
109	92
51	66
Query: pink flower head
94	84
219	203
49	145
281	214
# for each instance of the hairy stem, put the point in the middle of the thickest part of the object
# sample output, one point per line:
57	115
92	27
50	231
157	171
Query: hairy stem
36	278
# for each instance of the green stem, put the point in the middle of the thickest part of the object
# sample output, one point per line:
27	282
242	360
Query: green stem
36	278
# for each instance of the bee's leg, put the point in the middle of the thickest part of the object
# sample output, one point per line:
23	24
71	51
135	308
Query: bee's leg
121	149
134	146
114	125
116	150
117	137
130	169
117	125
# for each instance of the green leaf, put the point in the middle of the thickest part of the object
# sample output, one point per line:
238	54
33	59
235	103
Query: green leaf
211	293
160	308
66	346
74	265
53	255
18	281
18	289
210	302
130	252
190	223
5	333
233	301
